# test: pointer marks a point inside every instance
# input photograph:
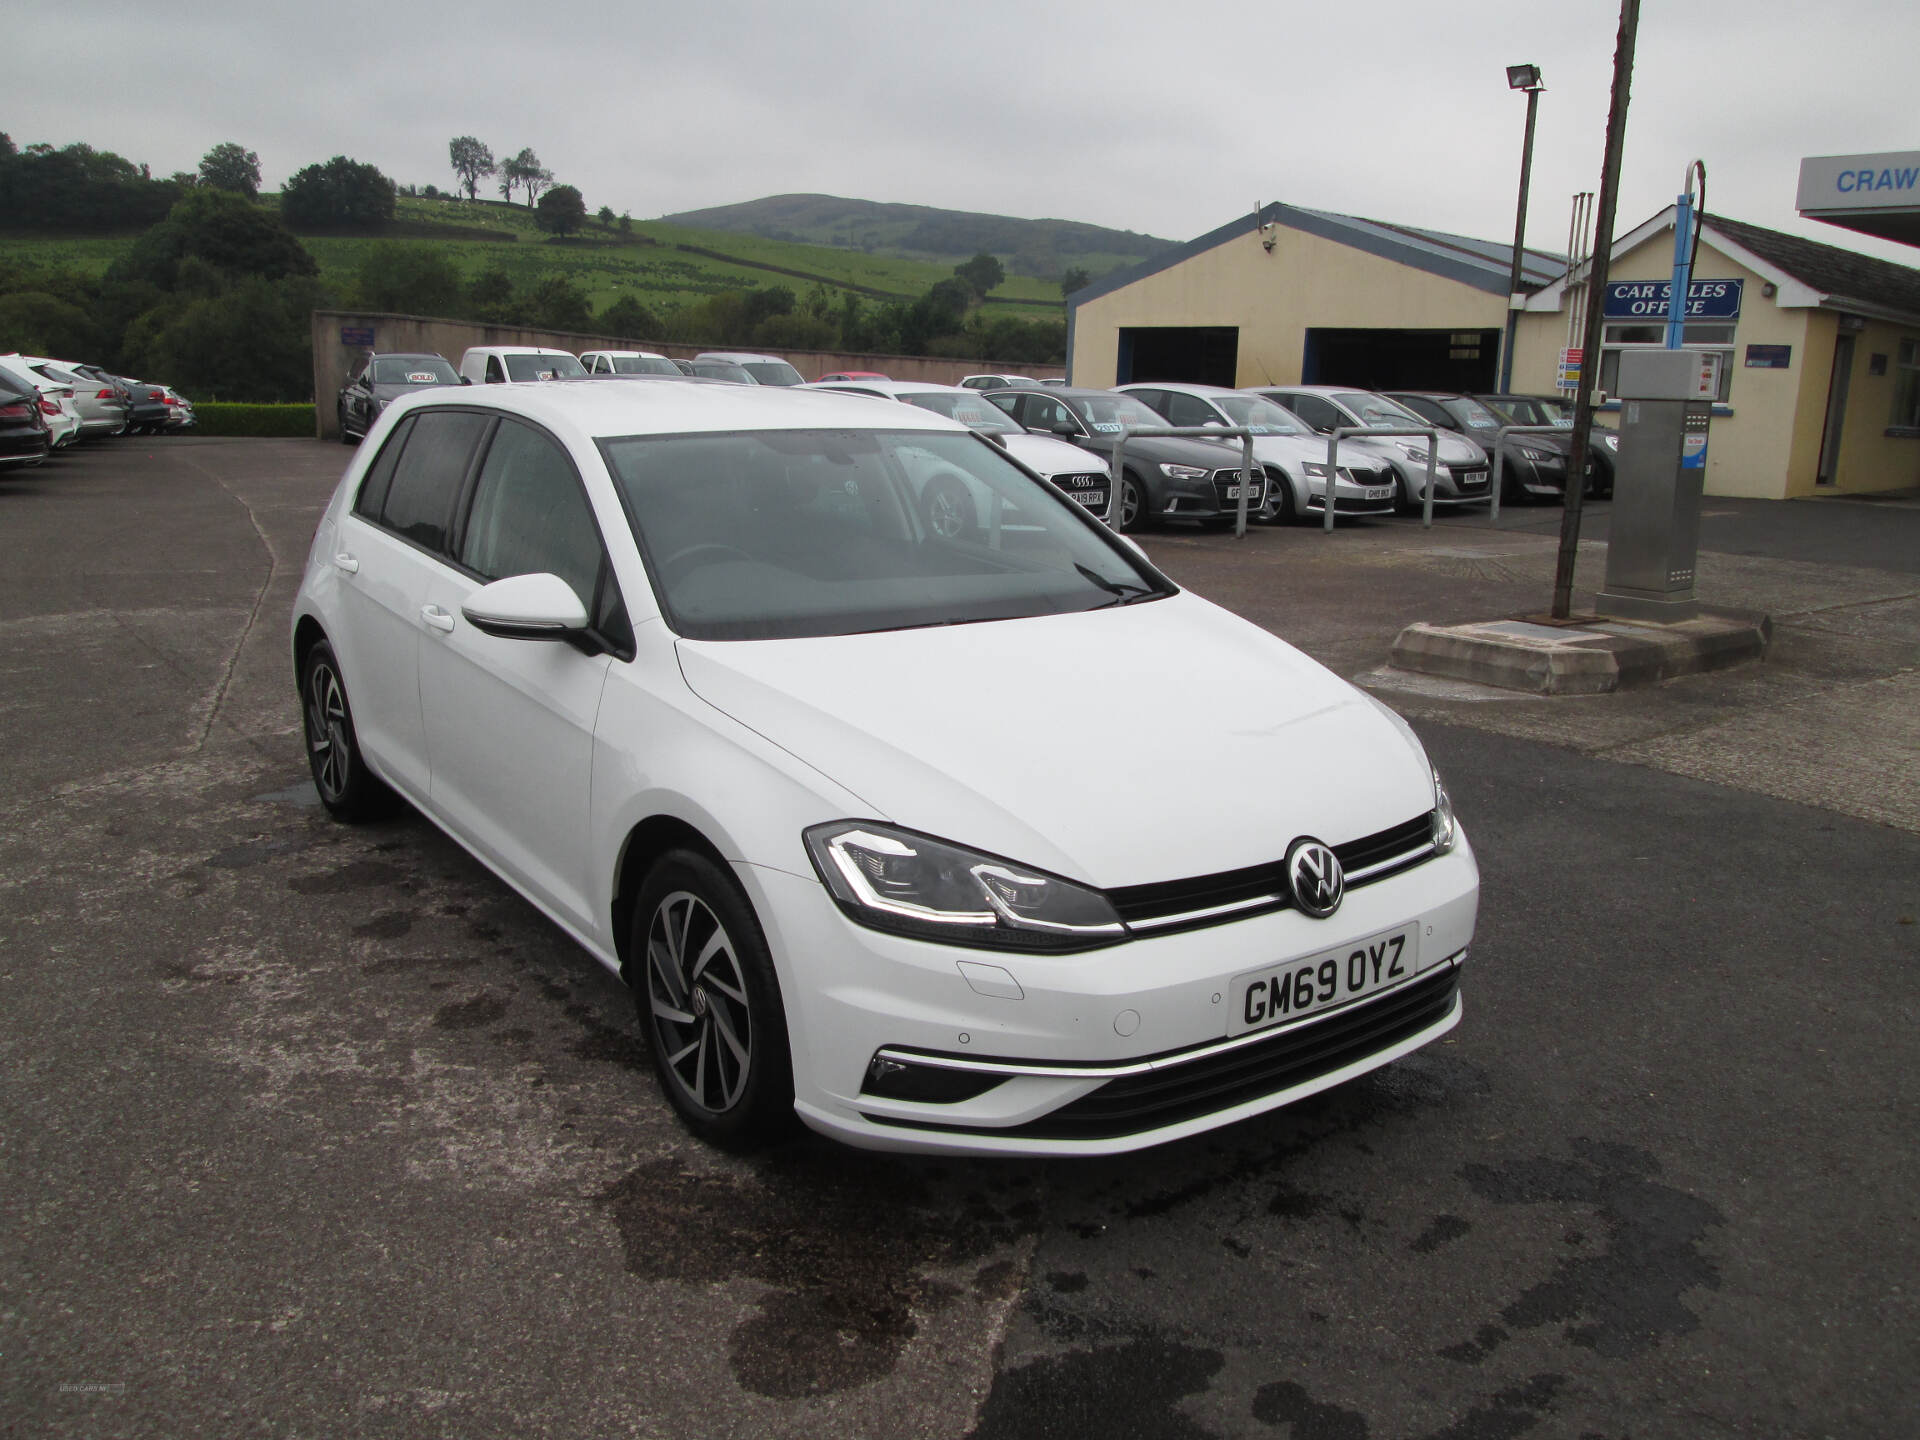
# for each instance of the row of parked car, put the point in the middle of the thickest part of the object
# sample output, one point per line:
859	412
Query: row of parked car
47	405
1068	435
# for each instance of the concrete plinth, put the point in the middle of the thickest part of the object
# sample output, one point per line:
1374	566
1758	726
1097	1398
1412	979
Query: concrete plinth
1592	656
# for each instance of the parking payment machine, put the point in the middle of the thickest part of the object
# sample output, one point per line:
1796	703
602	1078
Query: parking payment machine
1666	398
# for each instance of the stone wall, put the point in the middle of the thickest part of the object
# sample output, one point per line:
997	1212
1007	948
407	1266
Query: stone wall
333	358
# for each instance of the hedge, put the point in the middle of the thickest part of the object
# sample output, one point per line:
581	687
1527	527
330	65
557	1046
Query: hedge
214	417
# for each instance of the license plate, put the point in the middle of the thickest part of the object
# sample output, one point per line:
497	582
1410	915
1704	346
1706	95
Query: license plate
1379	492
1092	499
1234	492
1301	987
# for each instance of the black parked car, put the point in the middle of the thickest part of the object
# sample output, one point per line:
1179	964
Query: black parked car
24	440
1171	479
382	380
1536	465
1603	445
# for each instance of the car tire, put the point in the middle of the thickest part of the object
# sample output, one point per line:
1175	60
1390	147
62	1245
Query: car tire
1284	510
946	505
350	791
1133	504
709	1001
345	438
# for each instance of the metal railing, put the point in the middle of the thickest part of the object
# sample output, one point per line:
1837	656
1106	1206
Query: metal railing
1500	460
1180	432
1344	432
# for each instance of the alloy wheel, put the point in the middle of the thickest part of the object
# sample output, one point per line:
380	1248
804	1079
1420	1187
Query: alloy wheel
697	995
327	731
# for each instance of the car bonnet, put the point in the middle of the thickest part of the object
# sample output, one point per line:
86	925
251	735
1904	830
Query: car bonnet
1116	746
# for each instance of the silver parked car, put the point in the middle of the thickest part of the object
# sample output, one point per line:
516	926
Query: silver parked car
1461	467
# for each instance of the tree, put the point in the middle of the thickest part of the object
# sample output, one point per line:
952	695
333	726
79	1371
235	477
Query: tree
626	222
1072	280
216	228
558	304
471	161
981	274
251	343
605	216
341	194
228	166
629	319
523	171
561	211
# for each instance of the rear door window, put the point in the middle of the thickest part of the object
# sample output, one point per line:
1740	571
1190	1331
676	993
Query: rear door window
373	490
427	478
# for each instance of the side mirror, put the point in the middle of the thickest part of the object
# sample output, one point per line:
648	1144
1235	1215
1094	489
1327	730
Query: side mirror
527	607
466	379
1066	430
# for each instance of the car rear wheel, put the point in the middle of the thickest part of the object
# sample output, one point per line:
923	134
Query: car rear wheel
707	994
349	790
345	437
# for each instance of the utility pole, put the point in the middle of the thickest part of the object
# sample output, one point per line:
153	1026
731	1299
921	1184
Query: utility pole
1596	310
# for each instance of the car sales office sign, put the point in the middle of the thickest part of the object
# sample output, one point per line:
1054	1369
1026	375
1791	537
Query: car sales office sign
1647	299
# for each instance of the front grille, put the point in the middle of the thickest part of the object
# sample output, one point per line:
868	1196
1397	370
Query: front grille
1133	1104
1259	889
1225	480
1095	485
1474	474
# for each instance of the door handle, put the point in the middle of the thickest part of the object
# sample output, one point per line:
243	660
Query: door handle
347	563
436	618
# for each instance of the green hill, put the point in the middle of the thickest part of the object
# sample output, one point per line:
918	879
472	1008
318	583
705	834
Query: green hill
661	263
1041	249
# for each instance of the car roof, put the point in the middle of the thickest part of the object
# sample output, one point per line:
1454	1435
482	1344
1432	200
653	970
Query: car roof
739	356
598	409
518	350
1185	387
895	388
626	354
405	355
1072	392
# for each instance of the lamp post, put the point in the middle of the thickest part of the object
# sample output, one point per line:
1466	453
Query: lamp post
1527	78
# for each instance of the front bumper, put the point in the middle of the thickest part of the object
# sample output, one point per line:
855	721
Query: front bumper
1068	1041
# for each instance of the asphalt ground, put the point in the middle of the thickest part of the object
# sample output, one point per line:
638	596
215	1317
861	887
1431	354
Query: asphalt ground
315	1131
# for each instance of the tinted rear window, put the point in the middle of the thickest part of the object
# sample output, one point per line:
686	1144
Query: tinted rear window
427	478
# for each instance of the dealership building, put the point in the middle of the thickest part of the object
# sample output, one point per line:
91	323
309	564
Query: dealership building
1820	375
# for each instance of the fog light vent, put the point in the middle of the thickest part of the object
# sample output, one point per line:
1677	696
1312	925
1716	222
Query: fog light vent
893	1078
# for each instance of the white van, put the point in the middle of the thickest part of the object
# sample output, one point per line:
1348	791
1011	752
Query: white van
627	362
511	364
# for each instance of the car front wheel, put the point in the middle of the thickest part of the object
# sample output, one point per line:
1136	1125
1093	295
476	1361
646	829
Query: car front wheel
704	983
1133	504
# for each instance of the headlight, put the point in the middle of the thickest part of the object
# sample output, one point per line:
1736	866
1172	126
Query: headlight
911	884
1531	453
1318	472
1415	453
1612	442
1445	831
1183	472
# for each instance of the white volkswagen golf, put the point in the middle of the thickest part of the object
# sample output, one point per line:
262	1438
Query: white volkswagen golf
985	843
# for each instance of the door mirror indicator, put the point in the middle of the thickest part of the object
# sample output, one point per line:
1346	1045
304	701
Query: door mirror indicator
527	607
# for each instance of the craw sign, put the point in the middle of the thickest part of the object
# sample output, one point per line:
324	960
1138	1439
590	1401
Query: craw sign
1647	299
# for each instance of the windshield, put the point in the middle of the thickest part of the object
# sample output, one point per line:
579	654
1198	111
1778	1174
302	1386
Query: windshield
1379	413
1262	417
722	370
1106	414
783	534
643	365
413	370
970	410
1472	414
772	372
542	367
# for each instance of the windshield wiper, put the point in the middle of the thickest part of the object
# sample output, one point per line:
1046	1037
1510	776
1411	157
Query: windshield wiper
1123	594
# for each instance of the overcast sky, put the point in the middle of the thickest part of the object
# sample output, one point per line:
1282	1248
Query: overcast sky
1164	118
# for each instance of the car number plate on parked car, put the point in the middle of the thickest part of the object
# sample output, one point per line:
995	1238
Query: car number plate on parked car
1234	492
1090	498
1379	492
1300	987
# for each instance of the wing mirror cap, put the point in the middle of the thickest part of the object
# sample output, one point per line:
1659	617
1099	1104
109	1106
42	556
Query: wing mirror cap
527	607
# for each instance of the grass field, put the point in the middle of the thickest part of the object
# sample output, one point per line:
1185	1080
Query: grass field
650	265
